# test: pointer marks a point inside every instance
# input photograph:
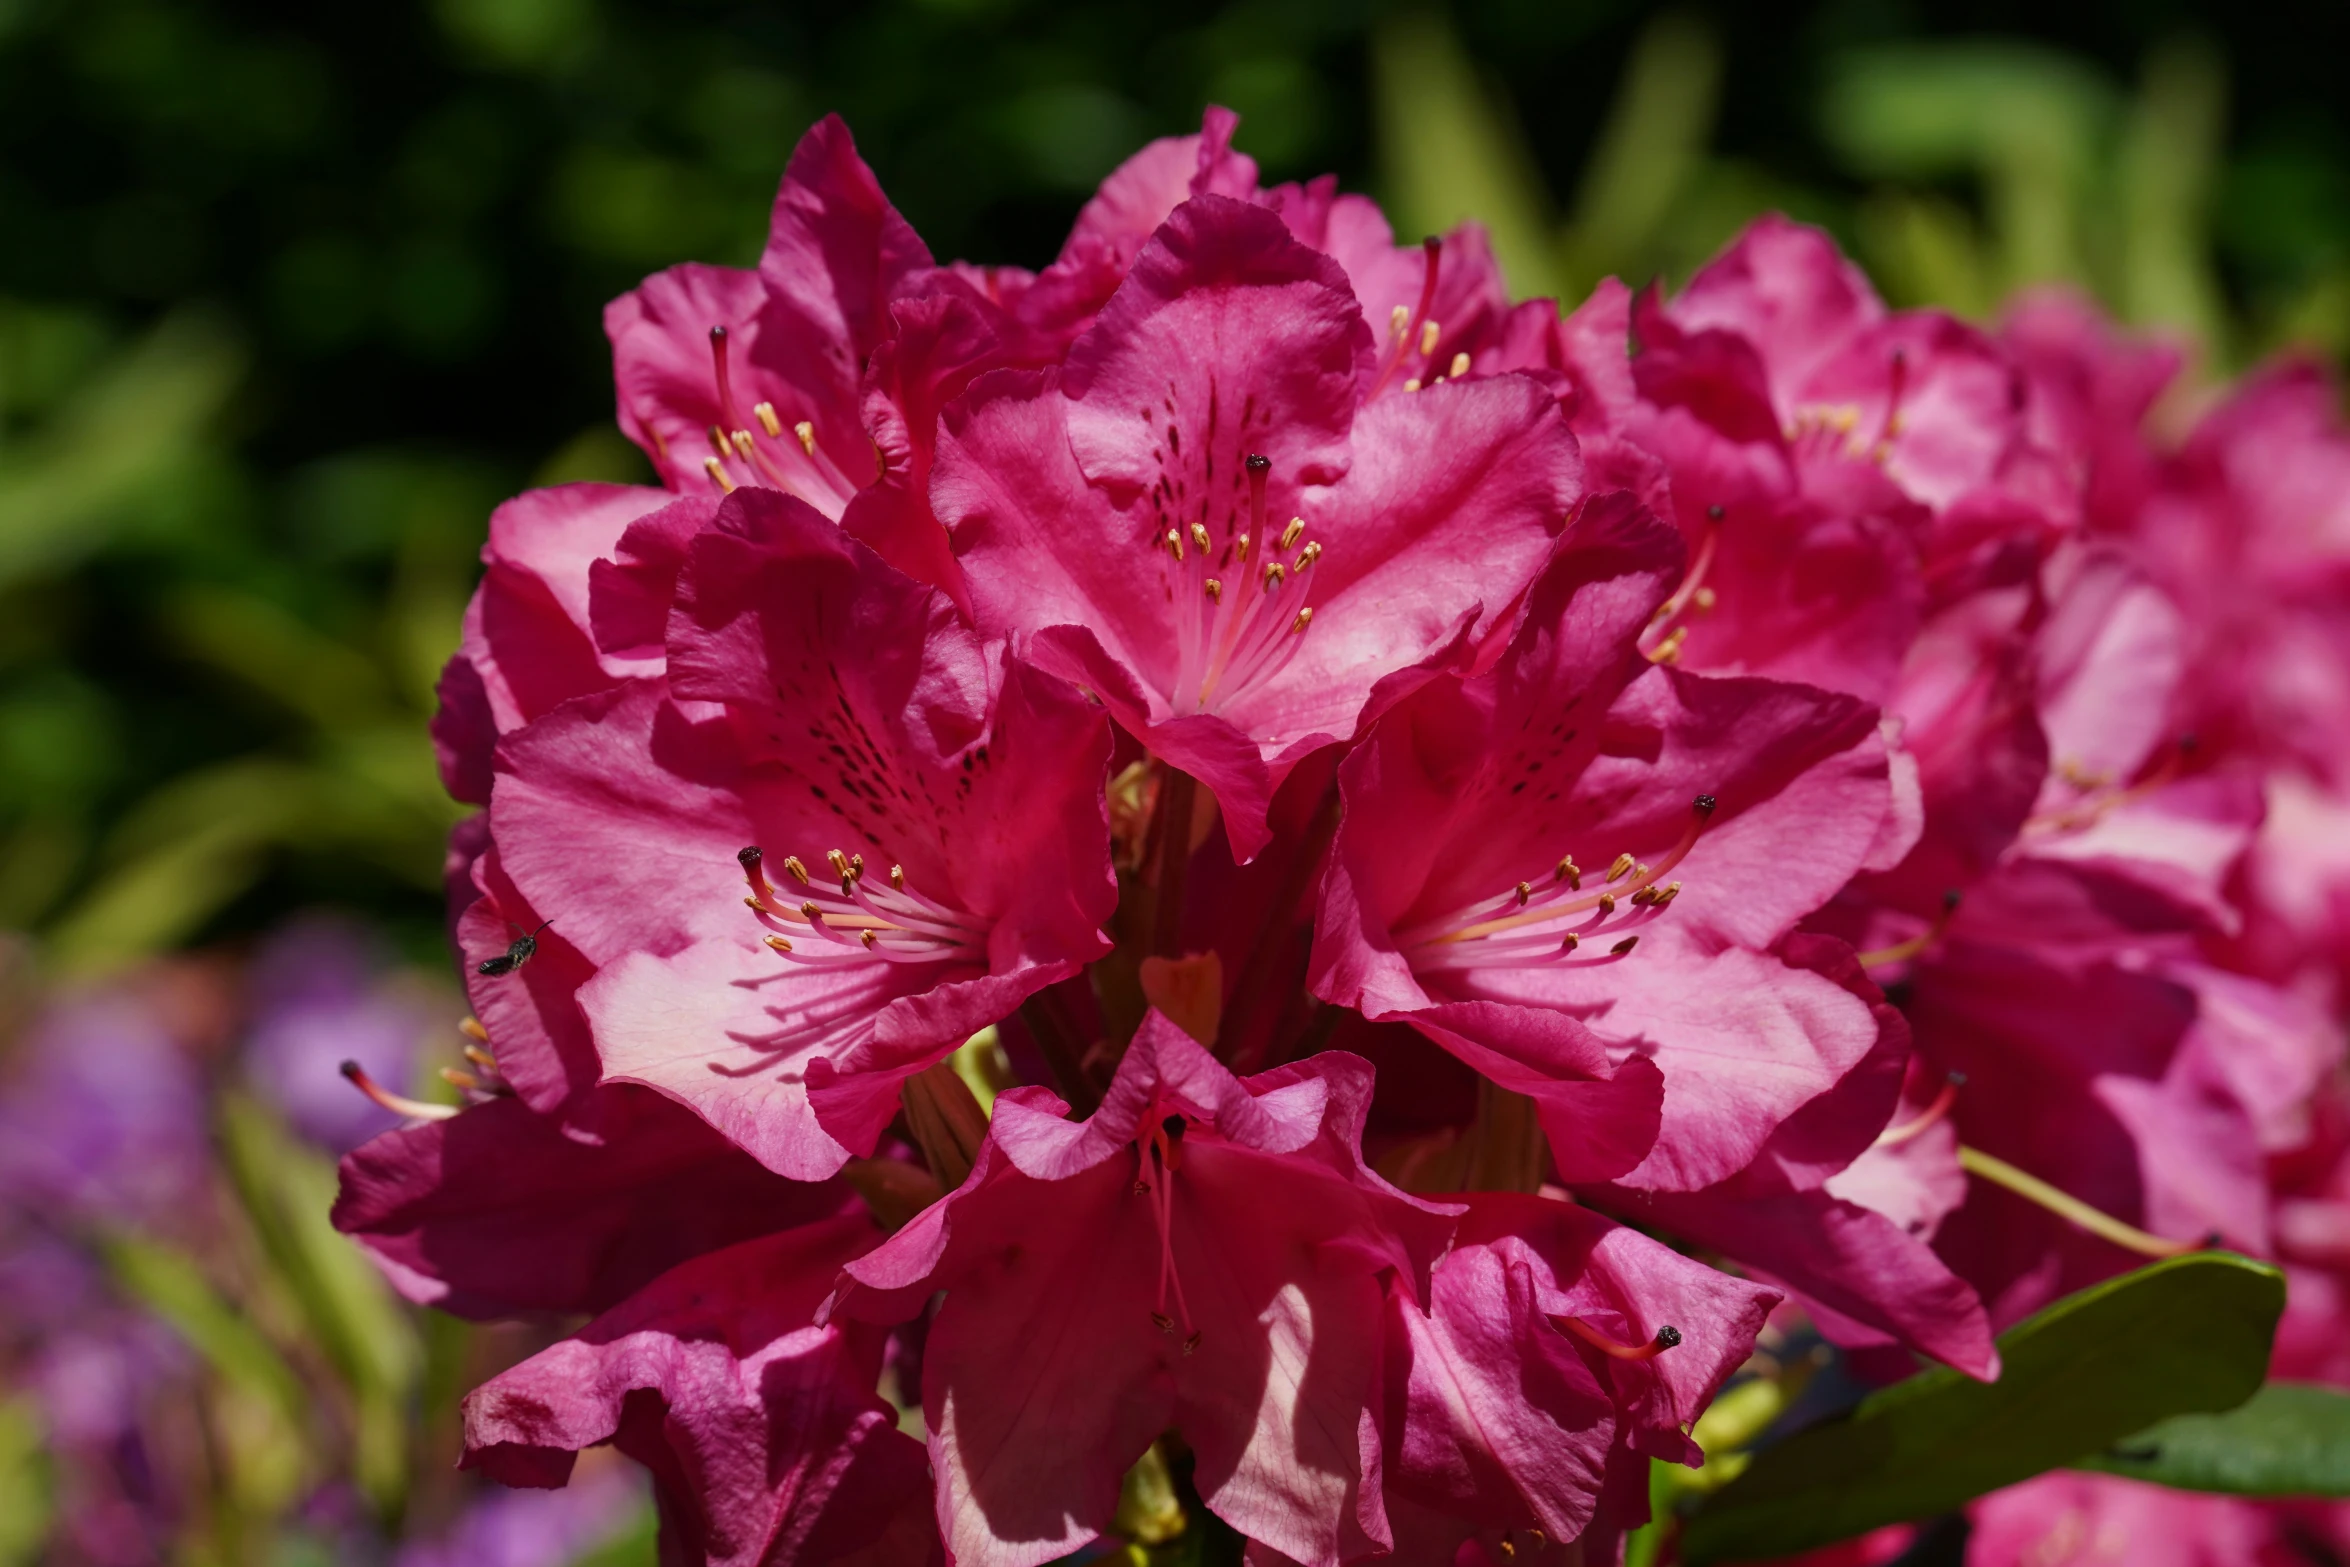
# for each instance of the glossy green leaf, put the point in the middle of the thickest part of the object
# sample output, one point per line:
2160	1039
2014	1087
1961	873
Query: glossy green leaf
2189	1334
2288	1439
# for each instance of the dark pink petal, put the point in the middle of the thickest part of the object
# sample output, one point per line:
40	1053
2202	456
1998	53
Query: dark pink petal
1496	1418
1782	287
1048	1369
763	1432
529	637
1626	1287
837	251
1842	1259
1142	191
940	344
498	1212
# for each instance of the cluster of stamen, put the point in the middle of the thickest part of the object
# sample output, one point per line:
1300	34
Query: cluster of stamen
1240	606
2095	795
1413	334
1158	1155
756	451
813	923
1550	923
1837	426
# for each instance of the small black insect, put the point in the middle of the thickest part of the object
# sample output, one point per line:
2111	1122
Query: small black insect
524	949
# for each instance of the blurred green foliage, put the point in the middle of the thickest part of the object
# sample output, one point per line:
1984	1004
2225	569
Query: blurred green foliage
290	296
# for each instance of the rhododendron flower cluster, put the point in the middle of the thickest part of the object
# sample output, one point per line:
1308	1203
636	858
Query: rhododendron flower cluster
1241	857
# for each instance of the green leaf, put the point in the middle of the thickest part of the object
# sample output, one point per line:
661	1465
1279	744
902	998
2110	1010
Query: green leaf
2289	1439
171	1284
2189	1334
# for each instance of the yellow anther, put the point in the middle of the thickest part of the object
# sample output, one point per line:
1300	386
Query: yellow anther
471	1028
1672	891
718	442
1240	549
796	868
1615	872
717	472
1669	650
1199	537
809	910
765	414
1274	576
1429	333
1305	618
779	944
1311	553
897	877
806	431
459	1079
1175	544
1704	598
1525	891
1215	591
1412	385
868	938
1570	942
742	443
857	866
1570	873
1297	525
1399	321
839	863
1460	365
1625	946
1607	903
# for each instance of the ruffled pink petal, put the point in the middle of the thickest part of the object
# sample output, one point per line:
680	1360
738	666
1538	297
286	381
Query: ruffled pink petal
1142	191
1046	1371
837	251
498	1212
766	1440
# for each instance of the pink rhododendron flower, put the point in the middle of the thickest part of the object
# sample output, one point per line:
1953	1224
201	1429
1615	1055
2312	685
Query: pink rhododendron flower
1463	854
1108	1279
1210	433
917	819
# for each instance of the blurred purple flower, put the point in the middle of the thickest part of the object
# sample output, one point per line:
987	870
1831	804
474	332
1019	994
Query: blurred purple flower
102	1119
320	998
536	1528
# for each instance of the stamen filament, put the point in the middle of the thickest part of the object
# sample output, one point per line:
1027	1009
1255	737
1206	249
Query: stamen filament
2068	1207
1903	951
1926	1119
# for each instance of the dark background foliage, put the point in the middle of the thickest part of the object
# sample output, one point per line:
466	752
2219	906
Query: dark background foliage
290	295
